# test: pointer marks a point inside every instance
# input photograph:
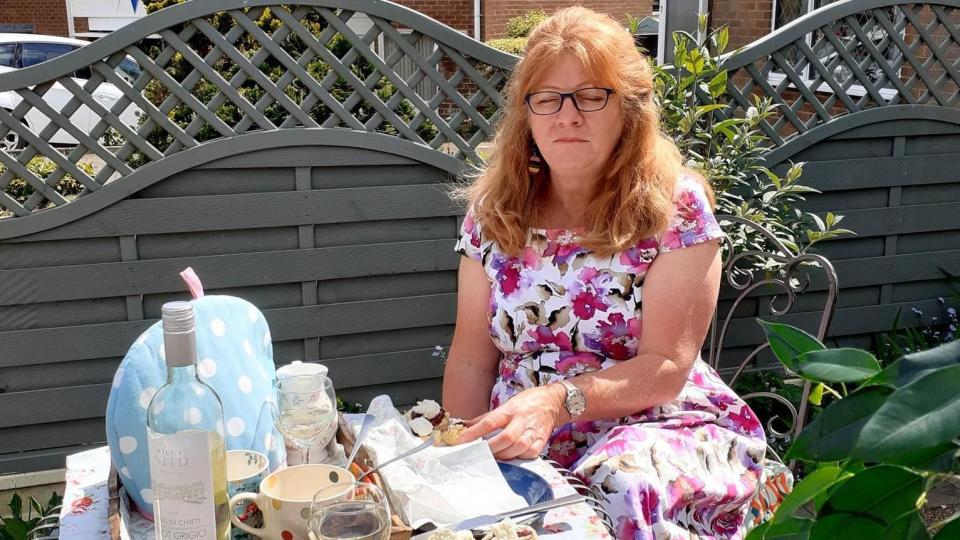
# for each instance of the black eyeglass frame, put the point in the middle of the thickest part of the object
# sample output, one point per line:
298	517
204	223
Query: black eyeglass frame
573	99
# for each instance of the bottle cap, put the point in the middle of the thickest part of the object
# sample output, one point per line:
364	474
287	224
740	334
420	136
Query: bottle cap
179	334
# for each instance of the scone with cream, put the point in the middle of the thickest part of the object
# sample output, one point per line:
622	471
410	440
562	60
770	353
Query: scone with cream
428	418
505	530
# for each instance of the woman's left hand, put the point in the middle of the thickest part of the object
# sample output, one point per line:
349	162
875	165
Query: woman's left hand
527	420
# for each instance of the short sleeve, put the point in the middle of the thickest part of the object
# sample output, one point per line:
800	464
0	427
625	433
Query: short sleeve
692	221
469	242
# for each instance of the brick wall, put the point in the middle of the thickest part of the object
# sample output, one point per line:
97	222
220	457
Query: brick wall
748	20
81	24
47	16
496	13
457	14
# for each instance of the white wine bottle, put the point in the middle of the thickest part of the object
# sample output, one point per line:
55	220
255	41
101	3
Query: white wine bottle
188	474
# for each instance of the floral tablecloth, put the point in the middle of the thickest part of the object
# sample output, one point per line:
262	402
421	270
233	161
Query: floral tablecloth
86	504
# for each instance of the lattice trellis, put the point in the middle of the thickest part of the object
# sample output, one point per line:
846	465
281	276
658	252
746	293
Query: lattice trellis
848	57
236	69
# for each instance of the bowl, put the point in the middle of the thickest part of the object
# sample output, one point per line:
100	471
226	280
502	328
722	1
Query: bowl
531	486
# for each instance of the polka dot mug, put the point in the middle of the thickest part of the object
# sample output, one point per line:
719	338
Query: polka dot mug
285	497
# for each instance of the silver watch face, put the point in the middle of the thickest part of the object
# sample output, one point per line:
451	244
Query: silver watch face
575	401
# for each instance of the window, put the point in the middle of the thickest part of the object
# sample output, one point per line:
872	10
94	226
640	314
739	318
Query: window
8	54
787	11
34	53
128	69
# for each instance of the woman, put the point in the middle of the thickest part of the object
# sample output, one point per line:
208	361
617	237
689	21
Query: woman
584	210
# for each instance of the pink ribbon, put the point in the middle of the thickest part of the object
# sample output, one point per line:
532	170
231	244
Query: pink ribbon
193	282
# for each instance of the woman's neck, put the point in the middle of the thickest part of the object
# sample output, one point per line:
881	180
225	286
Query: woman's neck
566	201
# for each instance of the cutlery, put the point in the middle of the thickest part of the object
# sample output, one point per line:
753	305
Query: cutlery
368	420
485	520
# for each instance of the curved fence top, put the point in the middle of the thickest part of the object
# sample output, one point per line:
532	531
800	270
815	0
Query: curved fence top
224	68
847	57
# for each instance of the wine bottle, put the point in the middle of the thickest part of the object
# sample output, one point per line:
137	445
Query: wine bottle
188	473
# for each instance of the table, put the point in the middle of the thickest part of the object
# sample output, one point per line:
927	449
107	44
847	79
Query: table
85	512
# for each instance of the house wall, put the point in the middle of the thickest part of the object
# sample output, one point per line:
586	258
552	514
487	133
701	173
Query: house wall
496	13
46	16
748	20
457	14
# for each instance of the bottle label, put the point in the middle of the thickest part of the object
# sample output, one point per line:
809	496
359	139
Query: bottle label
181	478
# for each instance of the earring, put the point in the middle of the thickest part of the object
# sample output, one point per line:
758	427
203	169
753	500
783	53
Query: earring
535	163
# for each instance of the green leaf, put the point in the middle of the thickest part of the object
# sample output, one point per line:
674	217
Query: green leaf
940	459
869	502
17	529
834	432
718	85
723	38
914	420
915	365
756	533
837	526
16	506
788	342
816	395
817	482
794	528
950	531
908	527
837	365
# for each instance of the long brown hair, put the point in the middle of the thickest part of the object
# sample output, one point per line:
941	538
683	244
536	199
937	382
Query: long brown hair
634	199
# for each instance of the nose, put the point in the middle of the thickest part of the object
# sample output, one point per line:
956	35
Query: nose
568	113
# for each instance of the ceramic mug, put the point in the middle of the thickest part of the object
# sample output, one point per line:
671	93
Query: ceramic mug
285	497
245	470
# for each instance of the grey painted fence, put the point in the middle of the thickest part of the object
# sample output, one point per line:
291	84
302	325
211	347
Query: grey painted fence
310	178
868	93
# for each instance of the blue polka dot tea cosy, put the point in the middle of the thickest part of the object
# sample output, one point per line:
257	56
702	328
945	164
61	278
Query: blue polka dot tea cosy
235	359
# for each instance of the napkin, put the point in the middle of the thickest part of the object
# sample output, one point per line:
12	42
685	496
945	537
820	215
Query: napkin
442	485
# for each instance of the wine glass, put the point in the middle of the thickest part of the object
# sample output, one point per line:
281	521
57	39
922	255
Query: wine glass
305	410
357	511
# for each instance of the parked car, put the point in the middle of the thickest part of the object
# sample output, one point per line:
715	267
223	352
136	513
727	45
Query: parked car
24	50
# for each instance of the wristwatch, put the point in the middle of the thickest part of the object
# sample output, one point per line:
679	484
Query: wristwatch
575	402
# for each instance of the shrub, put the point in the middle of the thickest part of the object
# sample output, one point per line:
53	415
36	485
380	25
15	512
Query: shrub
18	527
877	449
509	45
522	25
68	186
728	150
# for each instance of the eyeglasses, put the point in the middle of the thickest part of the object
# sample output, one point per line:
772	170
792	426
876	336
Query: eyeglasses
585	100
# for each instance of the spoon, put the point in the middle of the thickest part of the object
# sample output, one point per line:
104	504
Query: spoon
427	444
364	431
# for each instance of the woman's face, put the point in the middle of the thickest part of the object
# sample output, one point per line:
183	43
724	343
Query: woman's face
574	142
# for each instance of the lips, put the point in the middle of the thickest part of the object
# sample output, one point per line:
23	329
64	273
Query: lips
569	140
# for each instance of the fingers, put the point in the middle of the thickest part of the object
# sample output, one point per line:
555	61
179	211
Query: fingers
484	424
526	445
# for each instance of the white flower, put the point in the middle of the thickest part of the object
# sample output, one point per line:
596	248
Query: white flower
421	427
427	408
751	112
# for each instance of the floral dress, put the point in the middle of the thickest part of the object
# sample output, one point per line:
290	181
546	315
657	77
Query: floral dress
685	469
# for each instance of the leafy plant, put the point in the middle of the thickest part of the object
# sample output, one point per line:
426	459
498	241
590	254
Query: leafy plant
42	167
913	338
522	25
18	526
877	449
729	150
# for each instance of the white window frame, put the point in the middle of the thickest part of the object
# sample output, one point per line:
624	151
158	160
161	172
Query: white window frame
775	77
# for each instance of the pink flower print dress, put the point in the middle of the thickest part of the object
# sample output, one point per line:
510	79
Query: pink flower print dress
686	469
